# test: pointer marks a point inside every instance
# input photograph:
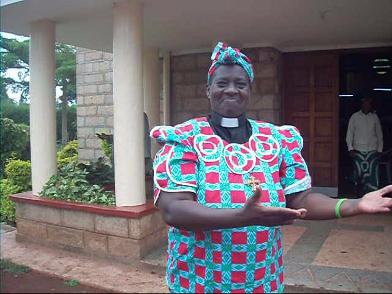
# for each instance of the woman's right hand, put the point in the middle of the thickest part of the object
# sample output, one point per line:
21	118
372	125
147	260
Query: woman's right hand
257	214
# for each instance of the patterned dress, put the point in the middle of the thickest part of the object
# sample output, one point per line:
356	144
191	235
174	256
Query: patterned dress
245	259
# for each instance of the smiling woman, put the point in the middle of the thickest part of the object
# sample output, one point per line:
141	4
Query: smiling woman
225	184
229	93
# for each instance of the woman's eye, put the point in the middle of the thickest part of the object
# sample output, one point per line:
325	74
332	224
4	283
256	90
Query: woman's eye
221	84
241	85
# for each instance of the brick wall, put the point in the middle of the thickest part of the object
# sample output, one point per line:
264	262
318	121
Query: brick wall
189	78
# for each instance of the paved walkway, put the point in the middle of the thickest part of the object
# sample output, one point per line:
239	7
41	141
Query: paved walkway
352	255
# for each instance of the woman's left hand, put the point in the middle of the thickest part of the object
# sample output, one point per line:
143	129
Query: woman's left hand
376	201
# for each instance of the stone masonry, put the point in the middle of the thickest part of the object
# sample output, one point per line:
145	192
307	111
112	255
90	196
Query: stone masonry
94	100
188	92
189	78
108	235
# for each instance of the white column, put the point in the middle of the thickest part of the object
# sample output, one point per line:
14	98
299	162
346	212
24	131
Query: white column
166	88
42	103
151	85
128	103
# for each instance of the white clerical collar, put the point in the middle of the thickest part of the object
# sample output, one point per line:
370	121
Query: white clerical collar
229	122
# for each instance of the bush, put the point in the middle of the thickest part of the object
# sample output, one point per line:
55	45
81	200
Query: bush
14	140
18	112
107	149
69	154
18	172
7	207
98	172
71	184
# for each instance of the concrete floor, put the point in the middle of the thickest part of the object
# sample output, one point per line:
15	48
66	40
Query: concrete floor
346	255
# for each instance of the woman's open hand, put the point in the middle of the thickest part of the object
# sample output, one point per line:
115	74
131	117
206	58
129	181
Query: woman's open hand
376	201
257	214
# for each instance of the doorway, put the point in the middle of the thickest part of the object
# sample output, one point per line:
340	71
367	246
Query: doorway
310	104
358	73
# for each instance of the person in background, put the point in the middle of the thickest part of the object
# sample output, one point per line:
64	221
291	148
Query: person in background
365	143
225	184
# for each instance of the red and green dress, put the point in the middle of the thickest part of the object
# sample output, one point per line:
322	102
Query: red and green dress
194	159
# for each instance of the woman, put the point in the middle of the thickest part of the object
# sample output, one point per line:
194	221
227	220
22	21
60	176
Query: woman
225	184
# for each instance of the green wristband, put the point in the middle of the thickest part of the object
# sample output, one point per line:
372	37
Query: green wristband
337	207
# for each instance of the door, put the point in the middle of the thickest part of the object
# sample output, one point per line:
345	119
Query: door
310	102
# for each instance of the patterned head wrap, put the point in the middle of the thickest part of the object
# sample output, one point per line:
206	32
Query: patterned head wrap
224	54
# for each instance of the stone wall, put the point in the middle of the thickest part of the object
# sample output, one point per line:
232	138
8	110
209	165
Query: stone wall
94	87
123	234
94	100
189	78
188	92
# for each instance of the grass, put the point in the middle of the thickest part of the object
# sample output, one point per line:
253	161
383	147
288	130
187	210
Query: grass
8	266
71	283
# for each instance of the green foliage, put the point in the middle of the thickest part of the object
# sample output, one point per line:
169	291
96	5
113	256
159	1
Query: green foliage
66	71
19	113
15	55
71	125
99	173
71	184
18	172
8	266
68	154
14	140
107	149
71	283
7	207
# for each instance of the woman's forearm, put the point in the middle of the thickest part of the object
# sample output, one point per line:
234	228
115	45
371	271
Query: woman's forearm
320	206
180	210
189	215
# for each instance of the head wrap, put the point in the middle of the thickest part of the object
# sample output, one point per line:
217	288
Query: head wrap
224	54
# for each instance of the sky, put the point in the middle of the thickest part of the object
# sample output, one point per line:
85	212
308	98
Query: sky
13	73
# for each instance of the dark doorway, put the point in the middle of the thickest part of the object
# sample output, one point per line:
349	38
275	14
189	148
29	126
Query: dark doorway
359	73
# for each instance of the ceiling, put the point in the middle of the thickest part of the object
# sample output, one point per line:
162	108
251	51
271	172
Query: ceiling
184	26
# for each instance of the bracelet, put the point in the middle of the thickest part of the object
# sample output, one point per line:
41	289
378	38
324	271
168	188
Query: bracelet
337	207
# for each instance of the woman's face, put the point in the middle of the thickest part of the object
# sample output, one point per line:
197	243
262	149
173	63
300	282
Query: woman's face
229	90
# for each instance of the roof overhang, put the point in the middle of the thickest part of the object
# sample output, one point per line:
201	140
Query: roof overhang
189	26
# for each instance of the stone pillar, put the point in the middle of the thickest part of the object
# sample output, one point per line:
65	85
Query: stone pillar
128	103
42	103
151	87
166	88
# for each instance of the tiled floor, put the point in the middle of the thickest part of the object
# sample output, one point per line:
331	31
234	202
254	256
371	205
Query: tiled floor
353	254
291	234
358	250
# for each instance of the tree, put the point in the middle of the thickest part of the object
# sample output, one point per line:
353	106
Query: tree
66	79
15	55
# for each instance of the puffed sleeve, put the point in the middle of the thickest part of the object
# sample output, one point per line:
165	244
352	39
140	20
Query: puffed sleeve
175	164
293	171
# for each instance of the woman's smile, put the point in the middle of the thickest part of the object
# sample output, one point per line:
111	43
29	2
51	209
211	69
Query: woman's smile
229	91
